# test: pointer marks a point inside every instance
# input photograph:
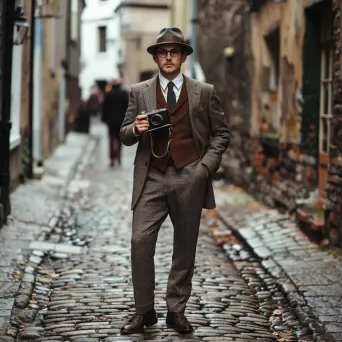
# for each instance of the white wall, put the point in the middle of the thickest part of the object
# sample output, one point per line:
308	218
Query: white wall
16	95
98	65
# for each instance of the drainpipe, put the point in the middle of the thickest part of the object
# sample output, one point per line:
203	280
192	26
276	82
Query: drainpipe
61	107
31	89
173	6
193	35
7	24
37	95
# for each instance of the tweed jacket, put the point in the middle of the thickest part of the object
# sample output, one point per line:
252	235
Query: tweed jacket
209	128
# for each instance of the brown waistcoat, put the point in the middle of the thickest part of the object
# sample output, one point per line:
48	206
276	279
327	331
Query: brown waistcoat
182	150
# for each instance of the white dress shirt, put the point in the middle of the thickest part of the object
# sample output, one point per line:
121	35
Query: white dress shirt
178	82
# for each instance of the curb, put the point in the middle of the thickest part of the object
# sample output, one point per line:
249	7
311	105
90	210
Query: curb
25	308
287	287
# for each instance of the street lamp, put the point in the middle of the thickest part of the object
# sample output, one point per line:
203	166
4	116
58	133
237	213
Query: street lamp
229	53
22	26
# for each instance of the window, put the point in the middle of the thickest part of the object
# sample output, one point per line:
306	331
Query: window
326	98
272	40
102	38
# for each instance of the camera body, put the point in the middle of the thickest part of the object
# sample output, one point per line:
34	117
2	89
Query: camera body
158	119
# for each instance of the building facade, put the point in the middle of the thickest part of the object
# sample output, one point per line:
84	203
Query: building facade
43	69
99	45
139	24
54	66
278	76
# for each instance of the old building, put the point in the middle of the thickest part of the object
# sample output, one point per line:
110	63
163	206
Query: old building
139	23
99	45
39	80
55	92
274	67
73	15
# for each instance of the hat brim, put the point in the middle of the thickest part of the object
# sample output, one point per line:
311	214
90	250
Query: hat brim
187	48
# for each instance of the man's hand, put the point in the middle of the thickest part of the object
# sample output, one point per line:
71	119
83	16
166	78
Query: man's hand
141	124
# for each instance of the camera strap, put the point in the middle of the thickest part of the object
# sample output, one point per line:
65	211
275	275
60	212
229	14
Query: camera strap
167	147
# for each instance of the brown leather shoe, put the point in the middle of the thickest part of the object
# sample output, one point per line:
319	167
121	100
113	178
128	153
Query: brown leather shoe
178	321
138	321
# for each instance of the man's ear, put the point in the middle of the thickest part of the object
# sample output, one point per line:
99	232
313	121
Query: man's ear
184	58
155	58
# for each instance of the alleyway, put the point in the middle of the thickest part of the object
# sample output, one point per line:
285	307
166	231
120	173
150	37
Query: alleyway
92	292
76	283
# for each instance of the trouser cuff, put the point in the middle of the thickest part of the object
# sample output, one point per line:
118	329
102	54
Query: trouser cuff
141	309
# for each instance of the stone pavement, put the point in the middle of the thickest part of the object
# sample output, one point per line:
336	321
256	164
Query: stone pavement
310	276
75	280
86	294
32	204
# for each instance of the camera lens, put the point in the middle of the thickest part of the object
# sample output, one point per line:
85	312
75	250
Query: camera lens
156	119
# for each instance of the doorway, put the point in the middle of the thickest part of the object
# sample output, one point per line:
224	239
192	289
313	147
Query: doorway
317	89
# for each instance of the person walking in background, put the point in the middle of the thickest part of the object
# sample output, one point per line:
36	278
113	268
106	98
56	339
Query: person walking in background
114	106
172	176
95	100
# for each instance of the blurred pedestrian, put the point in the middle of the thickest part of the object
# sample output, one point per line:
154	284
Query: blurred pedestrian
82	121
95	100
114	106
172	175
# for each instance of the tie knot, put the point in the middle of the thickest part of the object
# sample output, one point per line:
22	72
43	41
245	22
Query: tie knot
170	85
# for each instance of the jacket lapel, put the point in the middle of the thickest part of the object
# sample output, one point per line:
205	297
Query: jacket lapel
194	95
150	94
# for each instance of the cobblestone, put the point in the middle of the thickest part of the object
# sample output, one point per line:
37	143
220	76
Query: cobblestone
78	276
90	294
25	224
308	275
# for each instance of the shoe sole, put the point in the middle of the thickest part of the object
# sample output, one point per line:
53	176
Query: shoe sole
180	331
125	332
139	331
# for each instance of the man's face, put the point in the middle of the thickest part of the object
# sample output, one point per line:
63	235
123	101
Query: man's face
169	58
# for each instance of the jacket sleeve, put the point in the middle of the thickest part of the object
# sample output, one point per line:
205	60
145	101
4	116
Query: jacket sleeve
220	134
126	132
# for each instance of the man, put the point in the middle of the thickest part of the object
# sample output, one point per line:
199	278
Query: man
114	107
172	175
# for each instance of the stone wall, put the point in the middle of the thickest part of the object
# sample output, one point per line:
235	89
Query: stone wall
278	175
334	189
266	161
222	24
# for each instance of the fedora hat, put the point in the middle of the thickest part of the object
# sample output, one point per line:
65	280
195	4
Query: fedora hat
170	35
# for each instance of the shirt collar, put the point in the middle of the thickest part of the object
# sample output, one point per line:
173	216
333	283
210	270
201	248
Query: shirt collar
178	81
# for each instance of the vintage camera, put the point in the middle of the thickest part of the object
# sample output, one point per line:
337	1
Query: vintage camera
158	119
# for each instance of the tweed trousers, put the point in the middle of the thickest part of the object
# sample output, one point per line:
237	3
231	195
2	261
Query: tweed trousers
180	194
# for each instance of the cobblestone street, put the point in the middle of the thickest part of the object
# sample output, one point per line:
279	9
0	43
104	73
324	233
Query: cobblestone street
73	282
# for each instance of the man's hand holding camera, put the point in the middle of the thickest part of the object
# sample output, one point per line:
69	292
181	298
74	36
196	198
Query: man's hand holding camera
141	124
